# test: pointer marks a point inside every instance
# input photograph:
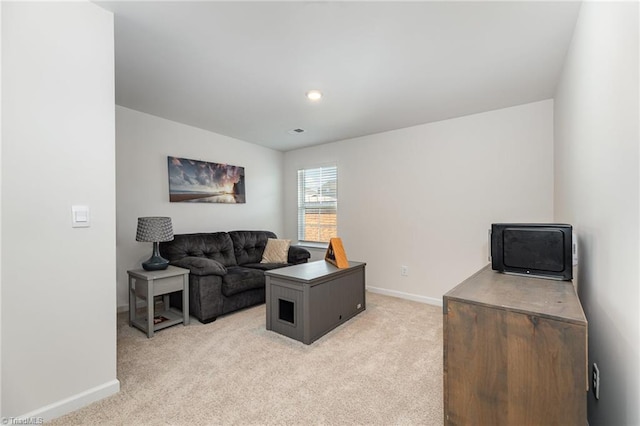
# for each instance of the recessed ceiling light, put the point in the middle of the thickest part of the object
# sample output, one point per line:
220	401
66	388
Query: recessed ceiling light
314	95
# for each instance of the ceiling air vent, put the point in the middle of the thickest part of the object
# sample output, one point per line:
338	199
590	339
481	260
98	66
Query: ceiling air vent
296	131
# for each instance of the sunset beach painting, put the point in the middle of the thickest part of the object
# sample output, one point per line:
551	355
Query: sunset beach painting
203	182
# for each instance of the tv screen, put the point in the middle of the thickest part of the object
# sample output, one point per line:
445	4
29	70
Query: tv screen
536	249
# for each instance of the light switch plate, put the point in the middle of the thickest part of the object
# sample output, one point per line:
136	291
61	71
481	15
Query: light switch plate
80	217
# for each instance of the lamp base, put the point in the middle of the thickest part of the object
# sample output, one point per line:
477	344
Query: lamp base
155	262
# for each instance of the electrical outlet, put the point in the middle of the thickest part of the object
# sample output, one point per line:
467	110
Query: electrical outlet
404	271
595	381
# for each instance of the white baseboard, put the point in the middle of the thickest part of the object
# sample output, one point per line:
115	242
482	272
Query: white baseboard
75	402
408	296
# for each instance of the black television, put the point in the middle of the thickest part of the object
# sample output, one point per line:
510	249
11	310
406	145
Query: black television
542	250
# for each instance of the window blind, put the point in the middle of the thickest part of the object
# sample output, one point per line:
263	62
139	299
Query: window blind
318	204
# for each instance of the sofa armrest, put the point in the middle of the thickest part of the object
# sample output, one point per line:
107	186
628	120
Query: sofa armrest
201	265
297	255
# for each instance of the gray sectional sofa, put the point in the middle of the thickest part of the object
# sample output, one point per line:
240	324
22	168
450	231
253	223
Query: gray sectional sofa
225	269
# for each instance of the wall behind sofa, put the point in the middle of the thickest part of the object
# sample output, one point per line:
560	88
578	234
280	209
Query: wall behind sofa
143	143
425	196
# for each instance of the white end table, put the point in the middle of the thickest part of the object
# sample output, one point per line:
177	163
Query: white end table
148	284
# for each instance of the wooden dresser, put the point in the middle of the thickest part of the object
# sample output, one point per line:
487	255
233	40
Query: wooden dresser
515	352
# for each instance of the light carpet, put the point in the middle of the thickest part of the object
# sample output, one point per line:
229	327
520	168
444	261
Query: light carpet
382	367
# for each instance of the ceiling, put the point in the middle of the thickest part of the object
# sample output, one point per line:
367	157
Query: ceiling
241	69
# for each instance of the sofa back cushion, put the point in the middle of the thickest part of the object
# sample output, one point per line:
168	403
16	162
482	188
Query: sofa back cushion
217	246
249	245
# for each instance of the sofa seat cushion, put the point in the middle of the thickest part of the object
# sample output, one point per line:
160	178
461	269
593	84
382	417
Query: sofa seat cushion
239	279
265	266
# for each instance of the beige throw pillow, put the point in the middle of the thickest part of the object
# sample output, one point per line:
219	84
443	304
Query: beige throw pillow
276	251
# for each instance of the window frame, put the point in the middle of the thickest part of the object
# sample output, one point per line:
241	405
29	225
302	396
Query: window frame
324	174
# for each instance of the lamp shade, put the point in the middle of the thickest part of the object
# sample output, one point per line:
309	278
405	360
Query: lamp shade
154	229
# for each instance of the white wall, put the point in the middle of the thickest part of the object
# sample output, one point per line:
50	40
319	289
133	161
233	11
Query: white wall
143	143
1	212
426	196
58	149
597	190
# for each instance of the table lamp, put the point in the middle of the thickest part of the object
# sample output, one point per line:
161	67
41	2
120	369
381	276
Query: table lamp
154	230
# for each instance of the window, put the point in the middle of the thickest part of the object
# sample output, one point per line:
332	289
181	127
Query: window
318	204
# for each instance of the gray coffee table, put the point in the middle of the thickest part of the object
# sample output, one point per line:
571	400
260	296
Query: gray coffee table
306	301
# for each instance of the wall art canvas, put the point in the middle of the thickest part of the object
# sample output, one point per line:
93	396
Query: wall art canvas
203	182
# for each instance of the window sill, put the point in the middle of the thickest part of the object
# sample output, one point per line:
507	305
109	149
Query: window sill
307	244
